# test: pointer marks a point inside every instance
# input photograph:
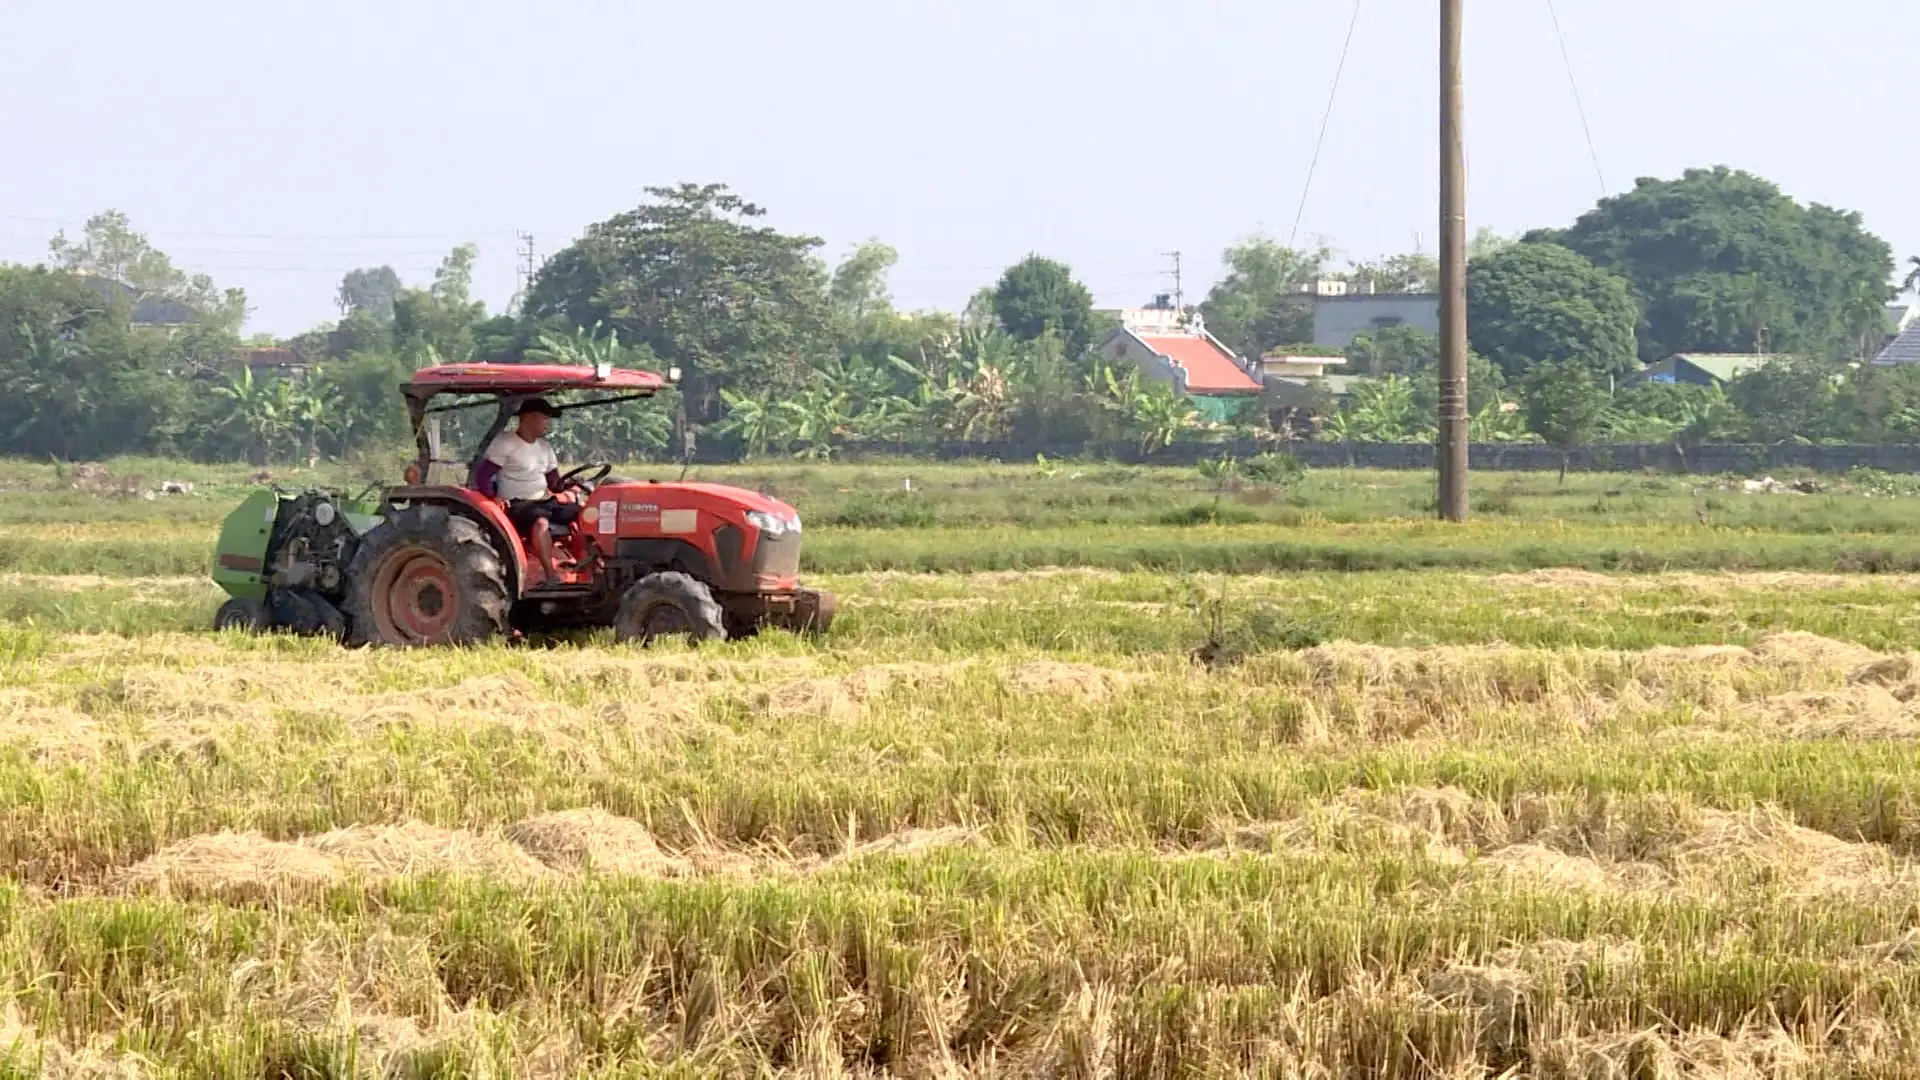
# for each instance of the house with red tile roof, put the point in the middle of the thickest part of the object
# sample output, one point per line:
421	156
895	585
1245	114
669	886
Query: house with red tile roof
1173	346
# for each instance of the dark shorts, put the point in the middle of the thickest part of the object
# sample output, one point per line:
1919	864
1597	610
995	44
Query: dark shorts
524	512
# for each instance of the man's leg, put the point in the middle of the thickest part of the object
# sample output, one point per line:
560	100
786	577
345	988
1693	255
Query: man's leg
531	518
543	546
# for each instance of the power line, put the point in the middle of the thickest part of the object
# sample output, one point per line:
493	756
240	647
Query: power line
1325	118
81	219
1566	58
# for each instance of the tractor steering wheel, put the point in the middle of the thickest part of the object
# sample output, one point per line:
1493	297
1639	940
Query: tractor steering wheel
571	478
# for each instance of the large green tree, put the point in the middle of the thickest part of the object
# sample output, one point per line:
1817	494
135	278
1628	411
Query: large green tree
1257	304
693	277
110	247
1532	303
438	322
1723	261
1564	405
79	384
1038	295
1785	398
369	291
1415	353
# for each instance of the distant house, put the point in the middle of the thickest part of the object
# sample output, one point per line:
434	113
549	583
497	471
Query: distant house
273	360
1902	315
147	312
1703	369
1169	346
1339	316
1903	349
1282	363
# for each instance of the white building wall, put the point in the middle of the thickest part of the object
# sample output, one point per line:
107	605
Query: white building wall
1338	320
1151	364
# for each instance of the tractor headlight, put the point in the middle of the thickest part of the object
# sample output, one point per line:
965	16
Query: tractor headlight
767	523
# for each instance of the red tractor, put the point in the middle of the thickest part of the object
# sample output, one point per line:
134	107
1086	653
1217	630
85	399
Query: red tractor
444	565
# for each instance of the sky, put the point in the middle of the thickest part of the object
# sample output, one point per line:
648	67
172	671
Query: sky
276	146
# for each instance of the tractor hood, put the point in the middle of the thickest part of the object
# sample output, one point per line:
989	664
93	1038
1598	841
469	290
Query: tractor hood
748	500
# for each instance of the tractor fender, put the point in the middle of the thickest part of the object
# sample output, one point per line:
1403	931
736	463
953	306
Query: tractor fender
485	512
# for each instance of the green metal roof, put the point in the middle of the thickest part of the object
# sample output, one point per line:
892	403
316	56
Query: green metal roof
1723	366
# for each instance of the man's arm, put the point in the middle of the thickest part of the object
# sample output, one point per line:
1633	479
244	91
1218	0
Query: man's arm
486	478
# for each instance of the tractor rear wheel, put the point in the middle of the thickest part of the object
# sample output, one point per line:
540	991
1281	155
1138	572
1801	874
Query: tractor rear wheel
307	613
666	604
240	613
426	577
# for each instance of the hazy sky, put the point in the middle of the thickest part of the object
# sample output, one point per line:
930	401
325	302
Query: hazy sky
275	146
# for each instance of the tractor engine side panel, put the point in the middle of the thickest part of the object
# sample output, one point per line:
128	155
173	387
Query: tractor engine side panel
631	518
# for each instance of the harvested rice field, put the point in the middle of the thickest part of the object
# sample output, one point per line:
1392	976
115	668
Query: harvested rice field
1056	822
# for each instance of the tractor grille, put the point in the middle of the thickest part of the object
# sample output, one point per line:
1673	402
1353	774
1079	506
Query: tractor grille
777	556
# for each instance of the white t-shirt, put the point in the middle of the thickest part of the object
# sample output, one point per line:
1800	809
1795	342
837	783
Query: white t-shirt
523	466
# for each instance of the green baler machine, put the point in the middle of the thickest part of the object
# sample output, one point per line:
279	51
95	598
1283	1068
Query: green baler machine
282	559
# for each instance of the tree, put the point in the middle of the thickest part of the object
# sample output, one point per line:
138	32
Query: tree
1785	398
1486	242
692	276
369	292
858	290
1564	404
1536	303
441	317
1722	261
1911	283
110	248
1411	273
1415	353
1257	305
1038	295
1686	414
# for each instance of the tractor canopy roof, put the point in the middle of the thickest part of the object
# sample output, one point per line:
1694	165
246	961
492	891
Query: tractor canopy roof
526	379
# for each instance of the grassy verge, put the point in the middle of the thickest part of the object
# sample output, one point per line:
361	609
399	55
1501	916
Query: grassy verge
186	549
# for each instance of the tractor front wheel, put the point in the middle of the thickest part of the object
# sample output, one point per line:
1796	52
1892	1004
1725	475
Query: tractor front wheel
240	613
668	604
426	577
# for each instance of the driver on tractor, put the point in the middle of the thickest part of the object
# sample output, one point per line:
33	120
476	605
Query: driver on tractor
521	470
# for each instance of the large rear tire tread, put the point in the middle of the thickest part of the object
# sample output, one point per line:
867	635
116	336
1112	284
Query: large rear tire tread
470	556
701	612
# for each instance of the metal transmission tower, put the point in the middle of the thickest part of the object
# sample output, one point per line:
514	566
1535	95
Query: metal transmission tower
1453	268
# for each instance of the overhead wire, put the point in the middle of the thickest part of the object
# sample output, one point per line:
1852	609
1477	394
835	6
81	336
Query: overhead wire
1579	106
1325	118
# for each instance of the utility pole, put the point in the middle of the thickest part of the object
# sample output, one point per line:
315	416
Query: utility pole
1453	268
527	267
1179	297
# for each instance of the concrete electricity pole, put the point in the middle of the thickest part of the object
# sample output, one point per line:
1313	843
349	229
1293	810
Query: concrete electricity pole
1453	269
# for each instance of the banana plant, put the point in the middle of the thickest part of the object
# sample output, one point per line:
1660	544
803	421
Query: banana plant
754	421
1497	421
